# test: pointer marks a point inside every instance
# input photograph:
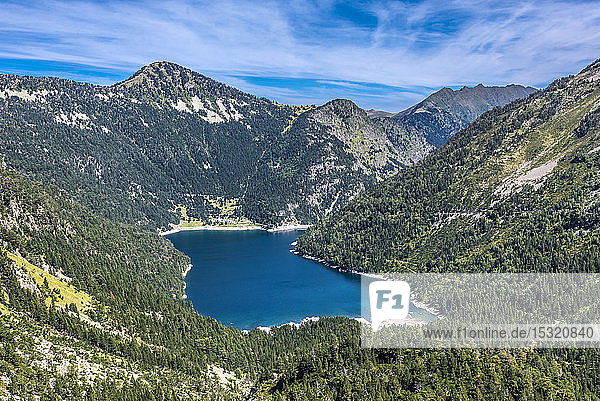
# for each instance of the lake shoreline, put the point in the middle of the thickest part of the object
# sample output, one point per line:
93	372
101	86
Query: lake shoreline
267	329
338	268
284	227
377	276
177	229
412	321
183	275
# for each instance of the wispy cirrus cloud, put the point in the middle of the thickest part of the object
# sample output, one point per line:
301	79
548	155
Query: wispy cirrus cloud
382	54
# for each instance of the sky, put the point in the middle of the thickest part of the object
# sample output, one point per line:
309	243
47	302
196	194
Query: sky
382	54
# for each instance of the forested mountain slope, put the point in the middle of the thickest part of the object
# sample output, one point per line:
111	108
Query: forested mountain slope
169	140
92	310
517	190
447	111
169	144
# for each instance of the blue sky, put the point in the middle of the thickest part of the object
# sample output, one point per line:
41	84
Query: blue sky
382	54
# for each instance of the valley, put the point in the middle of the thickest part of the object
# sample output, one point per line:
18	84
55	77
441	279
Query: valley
93	300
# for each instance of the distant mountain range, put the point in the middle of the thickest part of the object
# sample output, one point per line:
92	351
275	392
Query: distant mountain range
517	190
447	111
170	145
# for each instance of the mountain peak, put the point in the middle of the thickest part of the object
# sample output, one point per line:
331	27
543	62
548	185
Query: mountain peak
165	63
343	108
182	86
341	103
446	111
469	96
168	73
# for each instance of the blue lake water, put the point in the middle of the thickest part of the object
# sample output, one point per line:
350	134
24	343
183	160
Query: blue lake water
250	278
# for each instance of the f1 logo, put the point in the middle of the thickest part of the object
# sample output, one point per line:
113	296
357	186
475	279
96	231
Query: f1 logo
389	300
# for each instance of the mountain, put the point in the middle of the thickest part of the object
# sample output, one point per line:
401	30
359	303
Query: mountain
517	190
169	145
92	310
378	145
447	111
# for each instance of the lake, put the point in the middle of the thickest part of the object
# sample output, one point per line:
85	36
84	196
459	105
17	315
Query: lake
250	278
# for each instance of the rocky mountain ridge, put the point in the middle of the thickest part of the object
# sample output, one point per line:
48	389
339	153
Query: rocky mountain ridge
447	111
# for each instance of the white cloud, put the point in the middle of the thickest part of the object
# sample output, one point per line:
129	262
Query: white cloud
429	44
